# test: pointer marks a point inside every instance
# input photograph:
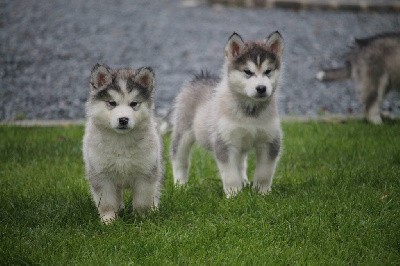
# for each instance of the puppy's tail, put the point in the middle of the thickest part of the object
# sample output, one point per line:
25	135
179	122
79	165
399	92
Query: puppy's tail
164	122
335	73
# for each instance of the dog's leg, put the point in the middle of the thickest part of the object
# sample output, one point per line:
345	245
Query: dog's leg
373	100
180	155
243	168
266	160
230	162
144	194
107	198
119	194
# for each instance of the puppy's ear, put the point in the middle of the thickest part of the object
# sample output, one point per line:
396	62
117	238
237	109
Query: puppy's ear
274	43
234	46
145	77
100	76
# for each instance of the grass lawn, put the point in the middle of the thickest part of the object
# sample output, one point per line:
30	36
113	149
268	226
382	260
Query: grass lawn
335	200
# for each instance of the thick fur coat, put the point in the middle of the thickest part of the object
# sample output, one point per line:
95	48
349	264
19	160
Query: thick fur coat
121	146
233	115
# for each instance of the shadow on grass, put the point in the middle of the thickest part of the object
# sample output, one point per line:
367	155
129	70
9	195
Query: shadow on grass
75	209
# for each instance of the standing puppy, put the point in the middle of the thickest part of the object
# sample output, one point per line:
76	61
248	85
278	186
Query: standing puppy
374	63
233	115
121	146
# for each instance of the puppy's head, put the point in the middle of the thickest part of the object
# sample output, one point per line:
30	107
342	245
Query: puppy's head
253	68
120	99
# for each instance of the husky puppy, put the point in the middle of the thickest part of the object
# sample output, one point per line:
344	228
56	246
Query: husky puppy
233	115
121	146
374	63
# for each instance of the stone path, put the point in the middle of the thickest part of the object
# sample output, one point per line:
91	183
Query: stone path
352	5
47	49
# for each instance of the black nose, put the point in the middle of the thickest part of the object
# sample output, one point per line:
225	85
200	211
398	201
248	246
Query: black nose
261	89
123	121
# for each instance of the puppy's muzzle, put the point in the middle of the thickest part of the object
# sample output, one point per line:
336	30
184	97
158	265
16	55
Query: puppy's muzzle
123	122
261	90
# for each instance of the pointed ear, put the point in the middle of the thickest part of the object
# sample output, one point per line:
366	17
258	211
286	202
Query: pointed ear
100	76
234	46
145	77
274	43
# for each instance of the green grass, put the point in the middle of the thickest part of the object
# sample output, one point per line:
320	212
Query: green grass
335	200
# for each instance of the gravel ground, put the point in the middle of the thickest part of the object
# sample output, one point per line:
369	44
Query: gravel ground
47	49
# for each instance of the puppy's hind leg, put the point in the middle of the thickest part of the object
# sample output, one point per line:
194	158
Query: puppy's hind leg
180	154
373	100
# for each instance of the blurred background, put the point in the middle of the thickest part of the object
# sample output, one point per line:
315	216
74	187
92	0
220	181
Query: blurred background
47	48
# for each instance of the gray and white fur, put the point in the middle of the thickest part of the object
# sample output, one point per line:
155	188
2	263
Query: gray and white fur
121	146
374	64
233	115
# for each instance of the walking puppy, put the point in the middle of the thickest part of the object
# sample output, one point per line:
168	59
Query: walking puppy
121	146
374	63
233	115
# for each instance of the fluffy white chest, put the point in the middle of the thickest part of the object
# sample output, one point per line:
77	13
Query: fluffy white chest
246	133
122	159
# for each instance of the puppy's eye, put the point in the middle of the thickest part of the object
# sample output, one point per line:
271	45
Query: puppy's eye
134	105
267	72
248	72
112	103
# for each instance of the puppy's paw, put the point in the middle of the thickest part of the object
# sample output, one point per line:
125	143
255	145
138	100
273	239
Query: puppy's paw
245	182
262	189
232	192
108	218
180	183
375	119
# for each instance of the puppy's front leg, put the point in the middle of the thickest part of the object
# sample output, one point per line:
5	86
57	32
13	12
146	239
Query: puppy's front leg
229	162
243	169
266	160
145	195
107	197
